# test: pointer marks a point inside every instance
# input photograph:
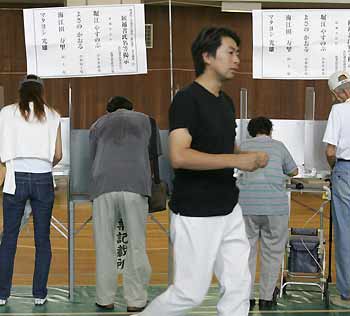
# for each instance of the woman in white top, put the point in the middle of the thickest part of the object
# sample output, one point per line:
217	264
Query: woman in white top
30	145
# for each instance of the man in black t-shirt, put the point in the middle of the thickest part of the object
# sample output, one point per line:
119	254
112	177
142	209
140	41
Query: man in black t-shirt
207	227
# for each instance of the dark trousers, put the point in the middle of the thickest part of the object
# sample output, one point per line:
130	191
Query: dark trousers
38	188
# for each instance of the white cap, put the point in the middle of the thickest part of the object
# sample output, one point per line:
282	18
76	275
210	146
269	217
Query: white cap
336	79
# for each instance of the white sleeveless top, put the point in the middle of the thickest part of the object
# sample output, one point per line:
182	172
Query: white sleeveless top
31	143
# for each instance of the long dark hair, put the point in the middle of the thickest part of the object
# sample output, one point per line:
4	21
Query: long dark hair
31	89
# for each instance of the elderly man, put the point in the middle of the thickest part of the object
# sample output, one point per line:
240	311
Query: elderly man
337	137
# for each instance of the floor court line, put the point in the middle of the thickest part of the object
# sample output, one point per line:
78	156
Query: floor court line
303	312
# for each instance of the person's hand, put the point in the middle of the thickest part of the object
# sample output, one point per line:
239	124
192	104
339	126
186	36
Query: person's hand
252	161
262	159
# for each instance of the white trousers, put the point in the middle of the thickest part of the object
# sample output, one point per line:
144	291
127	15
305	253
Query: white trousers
108	208
203	246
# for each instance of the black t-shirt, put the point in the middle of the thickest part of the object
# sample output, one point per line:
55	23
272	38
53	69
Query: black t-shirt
211	122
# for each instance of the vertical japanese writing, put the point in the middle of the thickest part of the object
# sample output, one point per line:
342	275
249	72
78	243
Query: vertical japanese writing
110	38
79	34
132	36
271	34
97	38
98	62
323	32
112	62
125	42
323	42
81	64
336	43
80	41
85	41
121	244
43	27
62	39
120	60
110	29
289	43
306	44
97	28
297	44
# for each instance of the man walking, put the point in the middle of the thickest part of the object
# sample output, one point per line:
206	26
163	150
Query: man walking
207	228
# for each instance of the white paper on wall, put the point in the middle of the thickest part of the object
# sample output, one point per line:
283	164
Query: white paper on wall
85	41
300	44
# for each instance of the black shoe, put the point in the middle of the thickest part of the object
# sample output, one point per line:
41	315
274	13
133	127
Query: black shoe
132	309
276	293
108	307
265	304
251	304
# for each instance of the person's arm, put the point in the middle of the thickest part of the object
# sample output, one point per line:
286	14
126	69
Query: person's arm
331	154
2	173
58	147
332	135
184	157
237	150
289	166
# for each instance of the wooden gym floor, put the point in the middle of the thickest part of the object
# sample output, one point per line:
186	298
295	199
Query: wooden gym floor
304	206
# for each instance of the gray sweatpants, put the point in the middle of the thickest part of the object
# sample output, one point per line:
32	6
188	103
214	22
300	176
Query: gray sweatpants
272	231
132	208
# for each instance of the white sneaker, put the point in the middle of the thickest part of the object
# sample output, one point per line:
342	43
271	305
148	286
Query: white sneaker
40	301
3	302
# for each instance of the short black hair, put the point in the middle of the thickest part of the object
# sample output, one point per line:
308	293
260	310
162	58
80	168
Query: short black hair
208	41
259	125
118	102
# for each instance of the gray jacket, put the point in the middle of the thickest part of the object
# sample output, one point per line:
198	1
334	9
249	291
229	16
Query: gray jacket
119	153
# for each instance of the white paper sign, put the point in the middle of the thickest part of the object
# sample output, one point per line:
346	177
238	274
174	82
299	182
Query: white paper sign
300	44
85	41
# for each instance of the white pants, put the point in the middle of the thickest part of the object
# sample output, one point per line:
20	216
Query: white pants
203	245
108	208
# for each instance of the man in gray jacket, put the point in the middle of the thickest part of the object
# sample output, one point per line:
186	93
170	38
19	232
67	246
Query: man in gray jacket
120	187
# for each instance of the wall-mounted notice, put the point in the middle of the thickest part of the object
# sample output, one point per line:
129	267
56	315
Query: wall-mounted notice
85	41
300	44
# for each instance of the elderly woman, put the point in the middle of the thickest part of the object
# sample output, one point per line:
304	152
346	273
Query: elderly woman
30	145
265	208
